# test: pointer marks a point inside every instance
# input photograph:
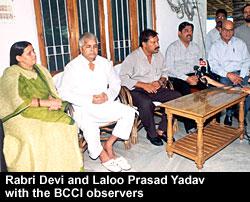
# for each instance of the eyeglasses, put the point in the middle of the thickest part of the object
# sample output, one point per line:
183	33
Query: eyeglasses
227	30
220	17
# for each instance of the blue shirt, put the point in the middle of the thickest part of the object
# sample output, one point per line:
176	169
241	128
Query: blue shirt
229	57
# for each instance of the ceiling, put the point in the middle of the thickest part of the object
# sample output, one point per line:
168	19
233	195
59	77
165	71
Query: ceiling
213	5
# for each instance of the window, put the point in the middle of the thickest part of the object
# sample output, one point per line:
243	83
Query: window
60	23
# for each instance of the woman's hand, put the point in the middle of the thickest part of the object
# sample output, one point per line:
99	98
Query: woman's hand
246	90
54	103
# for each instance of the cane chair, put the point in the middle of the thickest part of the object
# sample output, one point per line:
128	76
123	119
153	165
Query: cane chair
126	98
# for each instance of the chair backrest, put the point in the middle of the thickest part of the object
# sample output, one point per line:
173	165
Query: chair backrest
117	69
3	167
57	78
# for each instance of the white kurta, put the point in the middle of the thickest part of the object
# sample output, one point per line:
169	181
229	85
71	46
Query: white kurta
78	86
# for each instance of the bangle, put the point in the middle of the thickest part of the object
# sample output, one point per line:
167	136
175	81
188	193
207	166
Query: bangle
38	102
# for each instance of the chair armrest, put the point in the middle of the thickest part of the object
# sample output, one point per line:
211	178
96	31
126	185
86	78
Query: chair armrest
125	96
169	85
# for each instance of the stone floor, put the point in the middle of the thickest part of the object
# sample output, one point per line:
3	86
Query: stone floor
145	157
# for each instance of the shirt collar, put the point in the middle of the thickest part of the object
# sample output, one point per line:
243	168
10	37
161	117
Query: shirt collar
229	43
86	61
144	55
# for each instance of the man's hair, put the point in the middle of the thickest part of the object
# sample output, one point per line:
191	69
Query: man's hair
146	35
221	11
245	7
184	24
86	35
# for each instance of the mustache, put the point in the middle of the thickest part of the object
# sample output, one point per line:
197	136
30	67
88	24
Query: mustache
189	35
157	48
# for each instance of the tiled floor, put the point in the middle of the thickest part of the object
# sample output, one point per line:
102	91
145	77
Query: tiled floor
145	157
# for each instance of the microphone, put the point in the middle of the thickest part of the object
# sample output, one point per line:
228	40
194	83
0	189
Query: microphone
200	72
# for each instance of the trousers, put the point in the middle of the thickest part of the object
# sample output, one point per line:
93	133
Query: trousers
144	102
91	117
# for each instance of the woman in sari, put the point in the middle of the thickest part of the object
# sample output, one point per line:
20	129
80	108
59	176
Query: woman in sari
39	135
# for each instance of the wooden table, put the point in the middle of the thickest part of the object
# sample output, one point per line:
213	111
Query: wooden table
213	137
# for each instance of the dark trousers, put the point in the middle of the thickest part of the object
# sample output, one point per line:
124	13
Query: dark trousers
228	82
183	87
144	102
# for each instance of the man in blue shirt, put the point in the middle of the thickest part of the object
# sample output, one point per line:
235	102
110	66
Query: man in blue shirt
229	58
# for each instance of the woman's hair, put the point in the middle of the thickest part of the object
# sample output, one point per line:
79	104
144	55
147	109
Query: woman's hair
17	49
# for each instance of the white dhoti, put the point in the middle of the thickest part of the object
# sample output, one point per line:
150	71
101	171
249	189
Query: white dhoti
89	118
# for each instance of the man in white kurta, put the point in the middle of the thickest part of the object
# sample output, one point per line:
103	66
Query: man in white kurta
91	85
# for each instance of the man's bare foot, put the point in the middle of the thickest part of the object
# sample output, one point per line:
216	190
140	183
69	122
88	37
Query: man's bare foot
109	149
159	132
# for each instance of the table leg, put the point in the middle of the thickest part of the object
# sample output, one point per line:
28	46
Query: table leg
241	119
170	134
200	159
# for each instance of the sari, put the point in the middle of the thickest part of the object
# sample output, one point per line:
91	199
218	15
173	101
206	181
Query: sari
36	139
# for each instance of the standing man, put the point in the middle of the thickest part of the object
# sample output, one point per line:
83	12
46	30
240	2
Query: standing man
144	73
243	31
90	84
214	34
229	58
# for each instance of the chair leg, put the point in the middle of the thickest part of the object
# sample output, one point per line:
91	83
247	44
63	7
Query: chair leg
127	144
134	132
175	126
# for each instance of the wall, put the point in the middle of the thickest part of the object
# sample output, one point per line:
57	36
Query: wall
167	23
22	28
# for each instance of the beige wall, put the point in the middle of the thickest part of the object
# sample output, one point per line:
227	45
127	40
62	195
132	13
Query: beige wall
23	27
167	23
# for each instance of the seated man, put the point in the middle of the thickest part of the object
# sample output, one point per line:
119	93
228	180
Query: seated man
181	57
229	58
143	72
90	84
221	85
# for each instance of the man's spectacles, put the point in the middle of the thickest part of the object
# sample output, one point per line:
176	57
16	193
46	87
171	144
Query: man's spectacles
227	30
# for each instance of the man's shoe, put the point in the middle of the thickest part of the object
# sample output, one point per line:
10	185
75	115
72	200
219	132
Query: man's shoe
155	140
228	120
123	163
164	137
112	166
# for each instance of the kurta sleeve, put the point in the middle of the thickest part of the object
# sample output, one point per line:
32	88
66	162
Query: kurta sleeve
114	83
72	89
